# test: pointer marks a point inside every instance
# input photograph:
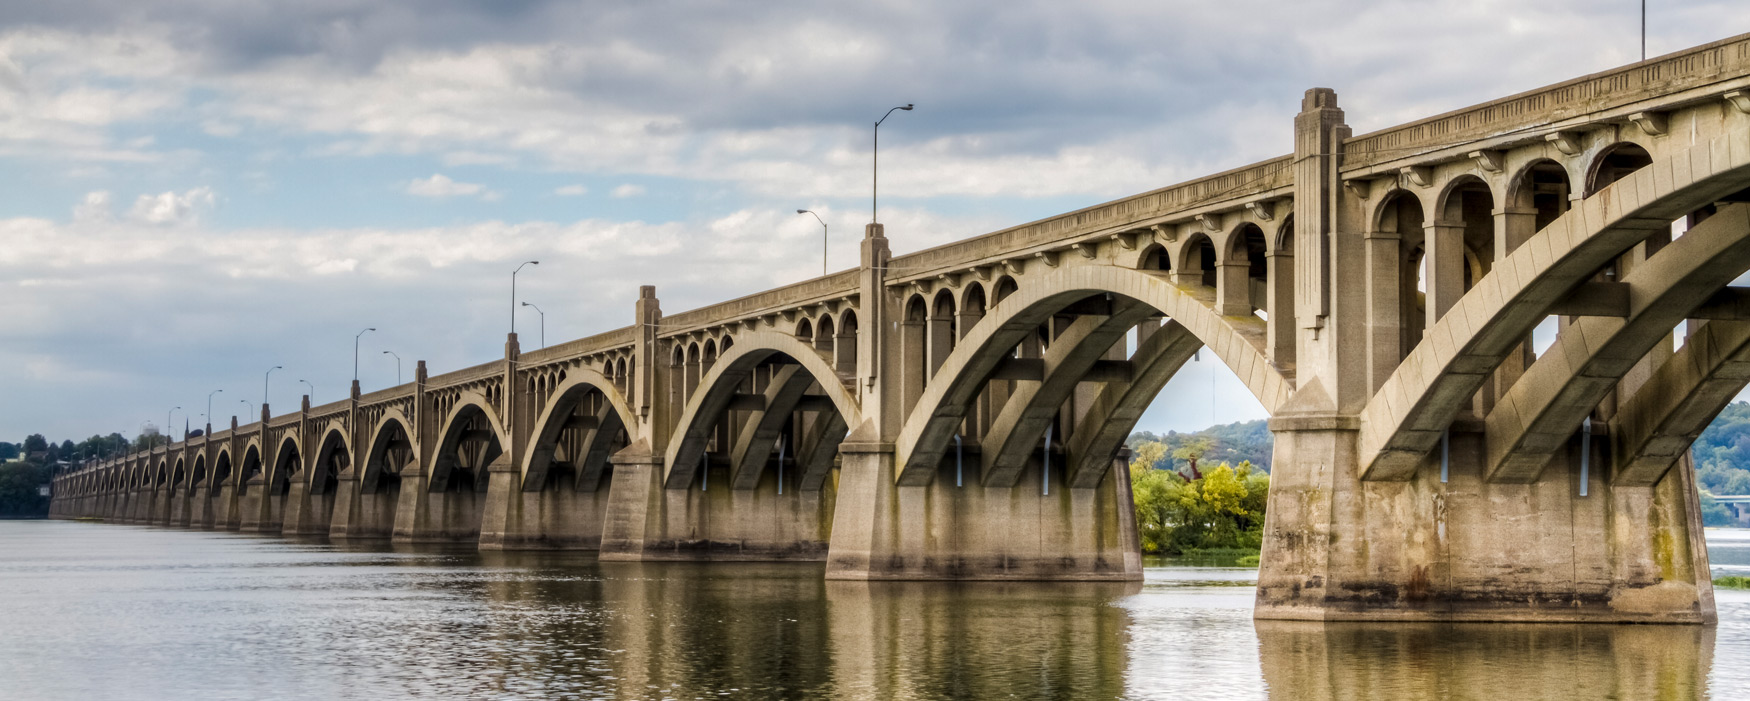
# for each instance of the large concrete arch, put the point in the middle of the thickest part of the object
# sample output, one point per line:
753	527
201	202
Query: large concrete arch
561	402
1119	405
719	387
1536	417
1406	417
1032	406
281	469
377	447
334	437
1659	424
469	403
1237	341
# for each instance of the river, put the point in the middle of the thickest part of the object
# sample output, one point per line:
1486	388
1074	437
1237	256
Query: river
101	611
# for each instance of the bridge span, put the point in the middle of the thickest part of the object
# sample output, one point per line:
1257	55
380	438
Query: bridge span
960	412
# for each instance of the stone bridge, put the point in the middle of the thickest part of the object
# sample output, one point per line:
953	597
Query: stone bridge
960	412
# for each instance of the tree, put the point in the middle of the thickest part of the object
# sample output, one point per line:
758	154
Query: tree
20	485
1190	451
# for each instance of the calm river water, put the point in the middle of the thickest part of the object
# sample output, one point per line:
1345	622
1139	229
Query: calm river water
99	611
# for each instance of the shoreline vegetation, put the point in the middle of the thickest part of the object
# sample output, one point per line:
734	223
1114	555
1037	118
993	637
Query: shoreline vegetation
1193	512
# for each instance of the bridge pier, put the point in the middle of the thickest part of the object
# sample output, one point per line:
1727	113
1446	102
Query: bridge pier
1339	548
559	518
647	521
938	531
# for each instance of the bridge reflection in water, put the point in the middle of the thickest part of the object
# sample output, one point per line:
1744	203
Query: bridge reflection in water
1313	661
119	612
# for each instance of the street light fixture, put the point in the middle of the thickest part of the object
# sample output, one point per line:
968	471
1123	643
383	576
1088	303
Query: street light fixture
247	405
543	322
513	292
355	355
822	238
209	413
264	377
310	390
397	366
875	162
167	423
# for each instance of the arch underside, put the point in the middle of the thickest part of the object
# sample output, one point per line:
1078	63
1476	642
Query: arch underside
1409	413
577	433
1655	428
1591	356
1106	303
768	394
467	450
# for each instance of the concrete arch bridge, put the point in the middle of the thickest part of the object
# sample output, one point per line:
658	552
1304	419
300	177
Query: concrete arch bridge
960	412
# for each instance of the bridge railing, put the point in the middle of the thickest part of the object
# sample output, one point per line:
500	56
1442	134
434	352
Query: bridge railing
465	375
1160	205
605	341
839	284
1666	75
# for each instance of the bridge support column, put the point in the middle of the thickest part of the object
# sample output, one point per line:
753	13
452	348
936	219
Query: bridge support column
885	531
1339	548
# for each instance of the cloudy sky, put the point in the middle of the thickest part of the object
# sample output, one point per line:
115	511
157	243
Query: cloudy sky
192	191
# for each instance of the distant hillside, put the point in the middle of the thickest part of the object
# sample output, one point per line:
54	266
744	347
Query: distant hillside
1232	443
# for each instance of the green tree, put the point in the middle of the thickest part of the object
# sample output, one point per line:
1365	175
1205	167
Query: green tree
1191	451
20	484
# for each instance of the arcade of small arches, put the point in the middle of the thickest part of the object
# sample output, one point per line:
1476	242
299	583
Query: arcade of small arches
960	412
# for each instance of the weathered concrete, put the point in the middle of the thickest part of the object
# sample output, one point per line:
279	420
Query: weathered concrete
959	412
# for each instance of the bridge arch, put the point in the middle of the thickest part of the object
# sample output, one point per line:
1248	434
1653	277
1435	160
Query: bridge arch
1614	162
587	451
221	471
721	385
252	466
1553	398
197	477
288	461
1412	409
389	439
471	438
333	457
1238	341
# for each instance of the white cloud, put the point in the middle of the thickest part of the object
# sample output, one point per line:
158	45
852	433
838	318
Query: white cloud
94	208
439	185
628	190
172	207
571	191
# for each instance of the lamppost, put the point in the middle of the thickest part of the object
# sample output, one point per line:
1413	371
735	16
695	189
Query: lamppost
543	322
513	292
310	389
397	366
167	423
247	405
264	377
875	162
209	414
355	357
822	238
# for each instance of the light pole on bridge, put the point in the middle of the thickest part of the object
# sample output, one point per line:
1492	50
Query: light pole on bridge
822	238
247	405
397	366
513	292
875	163
264	377
209	415
167	423
355	360
543	322
310	389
